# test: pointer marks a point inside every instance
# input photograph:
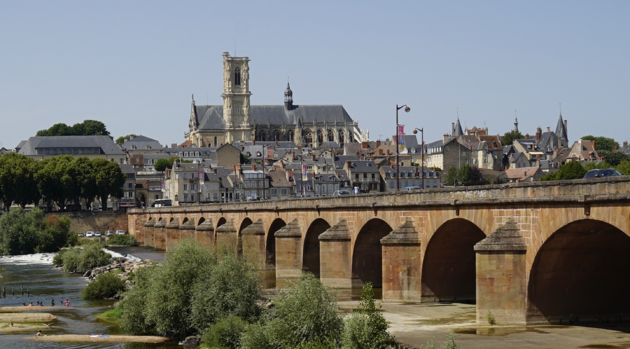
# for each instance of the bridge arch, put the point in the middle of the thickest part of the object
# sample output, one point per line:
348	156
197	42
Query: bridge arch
200	221
184	220
449	263
244	224
310	254
580	273
367	253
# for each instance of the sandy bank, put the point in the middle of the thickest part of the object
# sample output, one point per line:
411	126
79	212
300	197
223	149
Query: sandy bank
23	309
7	328
27	317
87	338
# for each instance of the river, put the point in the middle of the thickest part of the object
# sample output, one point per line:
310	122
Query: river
46	283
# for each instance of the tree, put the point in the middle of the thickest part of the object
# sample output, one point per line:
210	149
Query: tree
163	164
452	177
475	177
570	170
109	179
55	234
602	143
509	137
54	181
624	167
86	128
464	175
614	158
122	139
17	180
19	231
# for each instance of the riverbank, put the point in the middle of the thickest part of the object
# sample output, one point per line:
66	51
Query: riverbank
73	338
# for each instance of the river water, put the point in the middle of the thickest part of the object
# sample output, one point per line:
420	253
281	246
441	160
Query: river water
46	283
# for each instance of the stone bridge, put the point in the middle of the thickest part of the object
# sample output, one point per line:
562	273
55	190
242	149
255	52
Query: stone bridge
528	253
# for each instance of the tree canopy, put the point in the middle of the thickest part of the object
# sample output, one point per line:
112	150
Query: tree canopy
509	137
467	175
85	128
570	170
614	158
122	139
163	164
602	143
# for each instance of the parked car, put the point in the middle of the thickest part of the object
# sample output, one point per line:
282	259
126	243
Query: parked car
97	234
413	188
602	172
341	192
120	232
109	233
81	235
89	234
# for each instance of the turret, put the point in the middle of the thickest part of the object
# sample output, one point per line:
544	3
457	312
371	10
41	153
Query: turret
288	98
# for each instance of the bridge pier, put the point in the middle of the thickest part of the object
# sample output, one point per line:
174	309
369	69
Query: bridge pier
172	234
204	234
502	277
159	234
187	230
227	236
288	254
148	233
253	242
401	265
335	246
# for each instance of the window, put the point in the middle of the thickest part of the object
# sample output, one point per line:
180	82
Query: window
391	184
192	197
129	185
283	191
207	187
330	188
214	187
274	191
214	196
237	76
185	175
177	176
185	187
186	197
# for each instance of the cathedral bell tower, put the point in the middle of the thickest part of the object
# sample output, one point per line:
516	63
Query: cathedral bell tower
236	98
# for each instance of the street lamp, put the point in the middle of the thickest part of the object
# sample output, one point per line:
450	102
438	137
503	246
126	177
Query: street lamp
415	131
407	109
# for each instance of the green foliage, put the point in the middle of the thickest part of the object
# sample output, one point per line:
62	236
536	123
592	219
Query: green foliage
81	260
467	175
18	180
570	170
430	345
602	143
86	128
367	327
593	165
24	232
245	159
509	137
304	314
451	342
104	286
163	164
112	315
624	167
225	334
109	179
614	158
122	139
464	175
231	288
122	240
133	306
490	318
452	177
56	234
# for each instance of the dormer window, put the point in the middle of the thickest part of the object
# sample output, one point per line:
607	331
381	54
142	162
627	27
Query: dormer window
237	77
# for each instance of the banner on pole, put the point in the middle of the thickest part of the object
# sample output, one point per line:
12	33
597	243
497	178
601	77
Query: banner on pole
402	149
201	177
304	175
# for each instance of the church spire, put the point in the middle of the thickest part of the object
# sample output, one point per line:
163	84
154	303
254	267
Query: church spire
288	97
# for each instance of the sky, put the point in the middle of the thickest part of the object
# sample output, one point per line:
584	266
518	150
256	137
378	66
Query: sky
135	64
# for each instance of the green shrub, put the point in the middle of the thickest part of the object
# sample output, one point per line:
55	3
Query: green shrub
104	286
230	288
451	343
71	260
112	315
93	256
226	333
490	318
58	258
304	314
134	303
367	328
122	240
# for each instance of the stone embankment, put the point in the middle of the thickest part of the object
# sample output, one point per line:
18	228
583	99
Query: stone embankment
125	266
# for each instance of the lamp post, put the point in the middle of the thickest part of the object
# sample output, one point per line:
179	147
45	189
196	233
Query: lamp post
407	109
415	131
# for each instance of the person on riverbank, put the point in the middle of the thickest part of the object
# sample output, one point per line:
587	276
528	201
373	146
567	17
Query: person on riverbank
39	333
30	304
67	303
52	303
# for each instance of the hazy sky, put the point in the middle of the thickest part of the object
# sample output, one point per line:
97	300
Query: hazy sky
135	64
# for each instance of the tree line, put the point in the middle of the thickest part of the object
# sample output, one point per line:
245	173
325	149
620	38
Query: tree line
31	232
85	128
60	180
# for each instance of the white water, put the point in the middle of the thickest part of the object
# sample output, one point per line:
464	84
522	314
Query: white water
37	258
118	255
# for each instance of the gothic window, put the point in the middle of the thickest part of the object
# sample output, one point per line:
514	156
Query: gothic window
320	136
262	136
237	76
290	134
308	138
215	141
276	135
341	137
331	135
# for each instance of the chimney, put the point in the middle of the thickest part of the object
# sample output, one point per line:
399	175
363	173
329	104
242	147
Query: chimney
380	152
593	143
527	136
313	156
233	169
387	152
364	145
215	171
349	163
625	146
614	148
238	167
446	138
538	133
452	128
548	129
254	167
378	143
566	128
253	141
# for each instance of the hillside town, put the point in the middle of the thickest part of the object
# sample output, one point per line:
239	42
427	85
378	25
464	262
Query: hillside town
238	152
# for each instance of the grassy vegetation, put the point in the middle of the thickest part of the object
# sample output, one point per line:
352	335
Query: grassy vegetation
111	315
104	286
82	259
122	240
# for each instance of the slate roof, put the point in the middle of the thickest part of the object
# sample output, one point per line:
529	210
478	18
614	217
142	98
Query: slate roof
363	166
560	130
494	143
141	142
210	117
457	131
106	144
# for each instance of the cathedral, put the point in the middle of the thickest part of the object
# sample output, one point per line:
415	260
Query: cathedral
237	120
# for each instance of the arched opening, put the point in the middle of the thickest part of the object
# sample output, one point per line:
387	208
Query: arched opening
220	222
310	261
367	256
331	135
270	249
341	137
448	268
262	136
320	136
185	220
215	141
201	220
246	223
308	138
581	274
172	219
276	135
237	76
